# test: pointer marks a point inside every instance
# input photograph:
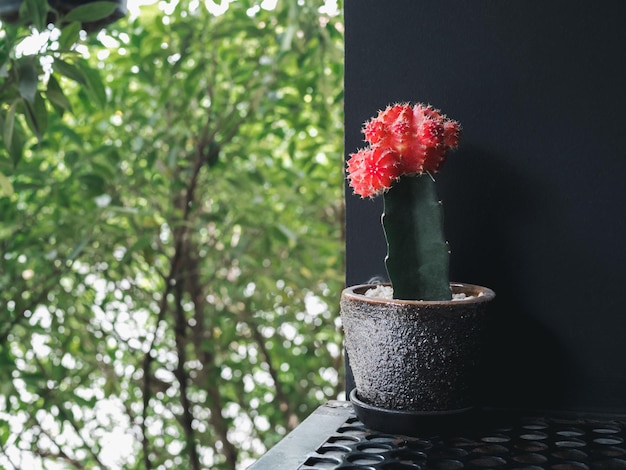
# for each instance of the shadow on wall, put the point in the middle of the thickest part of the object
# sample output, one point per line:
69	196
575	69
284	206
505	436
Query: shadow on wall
491	215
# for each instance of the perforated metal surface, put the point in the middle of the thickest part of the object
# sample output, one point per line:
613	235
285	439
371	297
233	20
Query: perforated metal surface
511	442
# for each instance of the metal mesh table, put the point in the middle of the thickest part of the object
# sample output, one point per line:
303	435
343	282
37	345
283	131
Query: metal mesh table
333	437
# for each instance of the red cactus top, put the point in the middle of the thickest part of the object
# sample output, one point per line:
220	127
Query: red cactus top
403	140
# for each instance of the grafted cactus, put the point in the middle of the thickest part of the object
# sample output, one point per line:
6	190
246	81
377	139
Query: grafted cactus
407	145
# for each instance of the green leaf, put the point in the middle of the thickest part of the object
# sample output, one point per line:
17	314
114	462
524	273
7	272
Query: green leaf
28	79
5	426
34	12
37	116
70	71
78	249
289	234
9	126
71	135
70	34
91	12
93	84
56	96
4	60
93	183
6	187
16	147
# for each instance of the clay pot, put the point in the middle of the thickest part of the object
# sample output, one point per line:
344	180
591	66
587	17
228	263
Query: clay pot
418	357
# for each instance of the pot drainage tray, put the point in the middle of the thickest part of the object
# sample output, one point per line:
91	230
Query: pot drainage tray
411	422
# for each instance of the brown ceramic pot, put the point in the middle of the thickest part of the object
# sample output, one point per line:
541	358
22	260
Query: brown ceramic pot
415	356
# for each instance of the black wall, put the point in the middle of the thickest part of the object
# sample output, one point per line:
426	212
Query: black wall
535	198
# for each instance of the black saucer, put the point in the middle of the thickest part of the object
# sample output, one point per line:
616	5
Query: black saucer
413	423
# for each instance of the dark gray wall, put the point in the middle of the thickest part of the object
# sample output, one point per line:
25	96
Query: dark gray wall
535	197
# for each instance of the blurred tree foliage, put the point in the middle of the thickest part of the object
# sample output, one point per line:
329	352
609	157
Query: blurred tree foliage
171	253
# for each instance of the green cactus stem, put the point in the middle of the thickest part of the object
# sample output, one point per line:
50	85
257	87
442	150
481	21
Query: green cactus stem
417	253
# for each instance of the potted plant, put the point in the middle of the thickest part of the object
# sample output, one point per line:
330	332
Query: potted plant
414	345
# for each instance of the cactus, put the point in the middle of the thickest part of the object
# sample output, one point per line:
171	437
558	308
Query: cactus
417	254
407	145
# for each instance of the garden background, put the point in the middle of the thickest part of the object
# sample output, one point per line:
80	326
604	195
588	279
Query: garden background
171	245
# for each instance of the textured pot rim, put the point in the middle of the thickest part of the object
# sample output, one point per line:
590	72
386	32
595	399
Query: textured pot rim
485	294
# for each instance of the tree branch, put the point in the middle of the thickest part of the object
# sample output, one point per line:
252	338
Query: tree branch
209	375
180	235
181	375
60	455
46	394
283	401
